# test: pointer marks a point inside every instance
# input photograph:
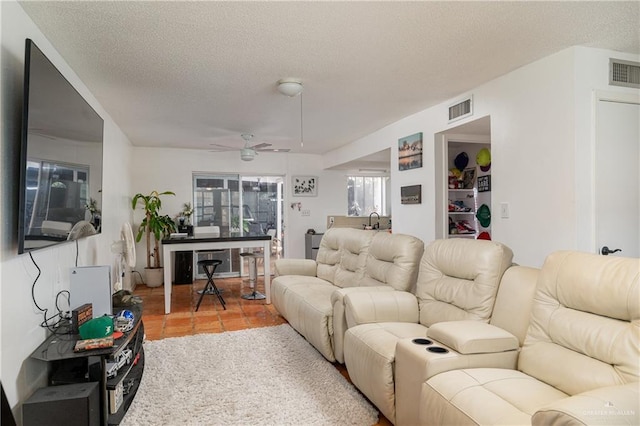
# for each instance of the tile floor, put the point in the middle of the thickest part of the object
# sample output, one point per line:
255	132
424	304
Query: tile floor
211	317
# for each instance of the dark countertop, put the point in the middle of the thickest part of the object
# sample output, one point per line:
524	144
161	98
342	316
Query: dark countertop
222	239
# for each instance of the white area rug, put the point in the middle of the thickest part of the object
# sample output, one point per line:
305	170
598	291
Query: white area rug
262	376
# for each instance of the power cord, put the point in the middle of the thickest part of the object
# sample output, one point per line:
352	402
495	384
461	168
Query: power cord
58	317
136	272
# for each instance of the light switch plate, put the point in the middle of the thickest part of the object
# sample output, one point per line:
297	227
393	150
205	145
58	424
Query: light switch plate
504	210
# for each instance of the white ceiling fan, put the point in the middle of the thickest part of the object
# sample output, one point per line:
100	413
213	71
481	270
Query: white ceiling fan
248	152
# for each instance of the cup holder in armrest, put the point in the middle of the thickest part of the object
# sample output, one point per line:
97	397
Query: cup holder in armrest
437	350
421	341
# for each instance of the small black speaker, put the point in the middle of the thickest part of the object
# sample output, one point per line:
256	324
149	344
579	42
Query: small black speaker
69	405
187	229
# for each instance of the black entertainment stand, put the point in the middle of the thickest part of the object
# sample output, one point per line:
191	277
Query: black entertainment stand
69	367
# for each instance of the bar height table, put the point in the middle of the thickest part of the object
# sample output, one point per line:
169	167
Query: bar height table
171	245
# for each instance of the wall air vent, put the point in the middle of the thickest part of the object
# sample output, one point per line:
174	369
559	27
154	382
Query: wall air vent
461	109
624	73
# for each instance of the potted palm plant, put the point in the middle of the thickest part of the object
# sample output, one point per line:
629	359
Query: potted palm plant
153	224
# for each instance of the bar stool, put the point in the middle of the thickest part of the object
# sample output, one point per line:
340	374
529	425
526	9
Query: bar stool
253	276
209	266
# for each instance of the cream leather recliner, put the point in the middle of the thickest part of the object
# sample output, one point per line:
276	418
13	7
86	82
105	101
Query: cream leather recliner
458	280
580	361
468	343
310	294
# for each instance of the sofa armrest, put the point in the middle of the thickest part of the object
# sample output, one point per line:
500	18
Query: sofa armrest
305	267
611	405
339	319
338	296
381	306
473	337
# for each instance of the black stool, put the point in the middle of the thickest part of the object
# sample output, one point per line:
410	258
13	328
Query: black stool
209	266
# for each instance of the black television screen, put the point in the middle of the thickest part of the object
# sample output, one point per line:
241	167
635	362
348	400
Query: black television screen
60	159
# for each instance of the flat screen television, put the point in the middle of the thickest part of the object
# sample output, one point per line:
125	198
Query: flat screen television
60	159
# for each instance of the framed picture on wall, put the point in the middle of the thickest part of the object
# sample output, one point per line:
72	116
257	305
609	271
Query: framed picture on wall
410	152
411	194
484	183
304	186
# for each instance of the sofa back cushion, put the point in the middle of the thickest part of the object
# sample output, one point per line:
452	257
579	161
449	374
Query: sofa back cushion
342	255
393	259
459	279
514	301
585	323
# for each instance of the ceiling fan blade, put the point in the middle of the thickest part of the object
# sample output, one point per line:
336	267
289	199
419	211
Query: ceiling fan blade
217	148
275	150
261	145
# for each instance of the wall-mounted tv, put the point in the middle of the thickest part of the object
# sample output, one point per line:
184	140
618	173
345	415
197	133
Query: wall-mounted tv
60	159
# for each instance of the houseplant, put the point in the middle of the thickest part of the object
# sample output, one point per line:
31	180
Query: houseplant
156	224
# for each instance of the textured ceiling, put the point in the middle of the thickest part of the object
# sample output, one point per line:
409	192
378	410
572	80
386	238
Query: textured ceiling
189	74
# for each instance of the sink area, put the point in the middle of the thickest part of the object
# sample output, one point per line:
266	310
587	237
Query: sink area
360	222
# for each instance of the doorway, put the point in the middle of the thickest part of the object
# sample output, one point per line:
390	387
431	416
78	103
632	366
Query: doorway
617	175
463	195
238	205
263	213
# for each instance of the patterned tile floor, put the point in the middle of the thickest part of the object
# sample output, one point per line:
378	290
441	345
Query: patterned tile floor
211	317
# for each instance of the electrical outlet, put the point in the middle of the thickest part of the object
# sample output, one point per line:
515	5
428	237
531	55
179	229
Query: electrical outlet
331	220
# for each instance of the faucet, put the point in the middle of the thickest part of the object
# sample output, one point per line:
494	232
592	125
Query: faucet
377	225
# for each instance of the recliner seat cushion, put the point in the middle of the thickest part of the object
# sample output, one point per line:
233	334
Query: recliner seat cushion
483	396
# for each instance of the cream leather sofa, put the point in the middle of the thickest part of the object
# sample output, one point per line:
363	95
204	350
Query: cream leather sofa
458	281
579	363
310	294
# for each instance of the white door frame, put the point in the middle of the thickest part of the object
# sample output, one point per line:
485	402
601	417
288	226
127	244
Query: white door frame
597	97
442	172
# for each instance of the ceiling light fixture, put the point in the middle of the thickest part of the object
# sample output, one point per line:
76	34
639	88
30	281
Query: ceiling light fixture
292	87
247	153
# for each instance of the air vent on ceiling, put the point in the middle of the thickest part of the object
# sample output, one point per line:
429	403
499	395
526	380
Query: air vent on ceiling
624	73
461	109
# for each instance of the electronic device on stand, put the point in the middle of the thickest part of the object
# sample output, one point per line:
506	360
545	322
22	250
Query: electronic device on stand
116	370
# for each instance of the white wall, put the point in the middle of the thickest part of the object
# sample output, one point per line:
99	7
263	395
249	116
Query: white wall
20	329
165	169
541	136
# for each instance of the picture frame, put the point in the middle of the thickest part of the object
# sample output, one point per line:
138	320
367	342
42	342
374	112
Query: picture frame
410	152
469	178
484	183
411	194
304	186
